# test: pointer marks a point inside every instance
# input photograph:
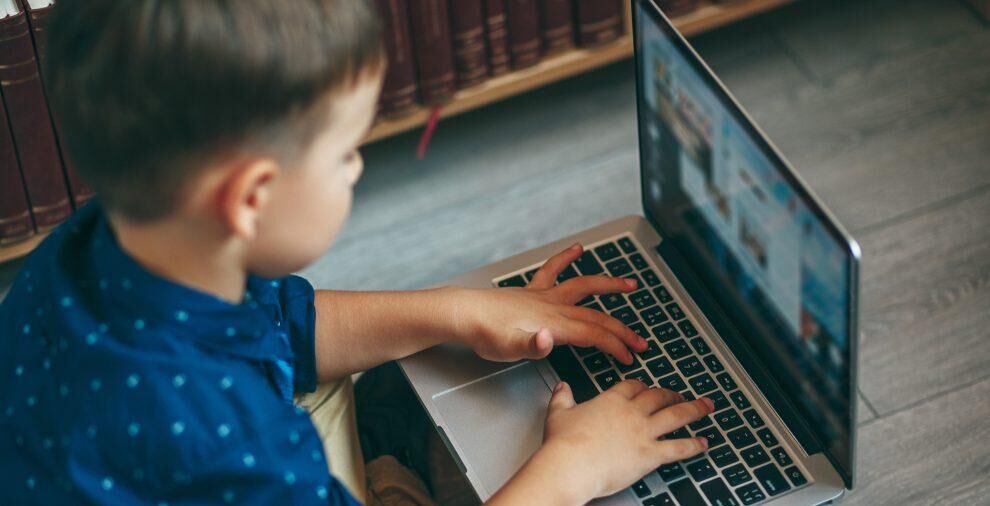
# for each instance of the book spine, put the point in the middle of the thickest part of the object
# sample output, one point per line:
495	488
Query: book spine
558	28
497	34
15	214
599	21
30	124
399	90
525	43
434	50
467	22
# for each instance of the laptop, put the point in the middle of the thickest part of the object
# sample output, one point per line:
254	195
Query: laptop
748	296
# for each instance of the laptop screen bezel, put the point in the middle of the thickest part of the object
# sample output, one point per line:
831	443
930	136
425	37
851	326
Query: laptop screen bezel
814	205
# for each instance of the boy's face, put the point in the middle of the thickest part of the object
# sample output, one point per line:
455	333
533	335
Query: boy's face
308	203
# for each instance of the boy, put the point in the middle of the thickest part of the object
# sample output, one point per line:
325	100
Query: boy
152	346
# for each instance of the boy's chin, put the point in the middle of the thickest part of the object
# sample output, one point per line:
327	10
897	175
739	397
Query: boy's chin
283	264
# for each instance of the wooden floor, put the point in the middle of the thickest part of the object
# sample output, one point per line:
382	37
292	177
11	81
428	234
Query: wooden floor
884	108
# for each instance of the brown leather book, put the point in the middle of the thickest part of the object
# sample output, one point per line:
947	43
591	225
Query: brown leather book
30	124
599	21
525	43
497	34
399	90
434	50
15	214
467	22
558	26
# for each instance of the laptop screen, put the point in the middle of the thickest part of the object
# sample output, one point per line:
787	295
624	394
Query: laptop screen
759	243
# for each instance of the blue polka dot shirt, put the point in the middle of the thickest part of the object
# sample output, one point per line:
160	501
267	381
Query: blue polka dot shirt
120	387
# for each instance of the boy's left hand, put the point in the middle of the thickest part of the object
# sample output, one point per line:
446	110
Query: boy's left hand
507	324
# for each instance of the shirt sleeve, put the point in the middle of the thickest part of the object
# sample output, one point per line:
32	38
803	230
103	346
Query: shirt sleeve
296	298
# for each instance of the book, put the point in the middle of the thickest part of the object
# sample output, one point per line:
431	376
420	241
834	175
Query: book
674	8
399	89
598	21
497	34
30	124
525	43
434	50
467	22
15	214
557	26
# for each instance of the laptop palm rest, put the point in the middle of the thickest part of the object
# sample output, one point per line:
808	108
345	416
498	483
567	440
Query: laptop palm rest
497	421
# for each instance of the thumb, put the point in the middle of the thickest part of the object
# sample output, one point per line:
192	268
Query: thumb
562	397
540	344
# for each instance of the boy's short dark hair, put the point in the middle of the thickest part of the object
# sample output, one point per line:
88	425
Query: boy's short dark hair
149	91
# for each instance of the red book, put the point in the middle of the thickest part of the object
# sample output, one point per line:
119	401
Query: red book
399	89
467	22
558	27
599	21
525	42
498	37
15	214
38	20
24	98
434	50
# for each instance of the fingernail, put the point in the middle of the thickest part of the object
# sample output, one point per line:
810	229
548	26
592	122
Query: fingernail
642	343
704	442
576	246
710	403
558	387
631	283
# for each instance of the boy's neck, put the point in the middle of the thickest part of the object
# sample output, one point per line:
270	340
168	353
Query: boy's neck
191	253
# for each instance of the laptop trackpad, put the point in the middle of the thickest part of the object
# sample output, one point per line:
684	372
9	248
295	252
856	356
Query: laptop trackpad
496	423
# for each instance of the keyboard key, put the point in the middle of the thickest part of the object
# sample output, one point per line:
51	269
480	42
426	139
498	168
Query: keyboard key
619	268
662	294
670	472
584	351
650	277
596	306
723	456
701	470
677	349
739	399
753	418
768	438
672	382
612	300
728	419
653	316
652	350
660	367
607	251
703	384
750	494
754	456
675	312
700	423
713	363
713	435
736	474
596	363
794	474
781	456
726	381
642	299
587	300
686	493
568	273
700	346
641	376
719	399
741	437
640	489
639	329
588	265
666	332
687	328
679	434
718	494
625	315
530	273
607	379
513	281
688	396
771	479
623	368
638	261
627	245
662	499
690	366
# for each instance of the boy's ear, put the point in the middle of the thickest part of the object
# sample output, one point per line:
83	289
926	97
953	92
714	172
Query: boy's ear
244	193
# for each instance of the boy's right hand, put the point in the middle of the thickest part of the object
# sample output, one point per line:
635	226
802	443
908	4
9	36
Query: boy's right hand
607	443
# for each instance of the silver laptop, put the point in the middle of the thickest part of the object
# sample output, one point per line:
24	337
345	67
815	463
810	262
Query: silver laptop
748	296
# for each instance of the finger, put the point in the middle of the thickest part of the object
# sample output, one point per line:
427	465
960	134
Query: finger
588	334
652	400
562	397
540	344
547	274
575	289
631	339
672	450
628	388
674	417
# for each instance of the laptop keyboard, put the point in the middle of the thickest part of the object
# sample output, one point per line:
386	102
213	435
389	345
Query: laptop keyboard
745	463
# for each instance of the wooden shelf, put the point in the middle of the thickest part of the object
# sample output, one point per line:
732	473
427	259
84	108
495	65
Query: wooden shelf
707	16
17	250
